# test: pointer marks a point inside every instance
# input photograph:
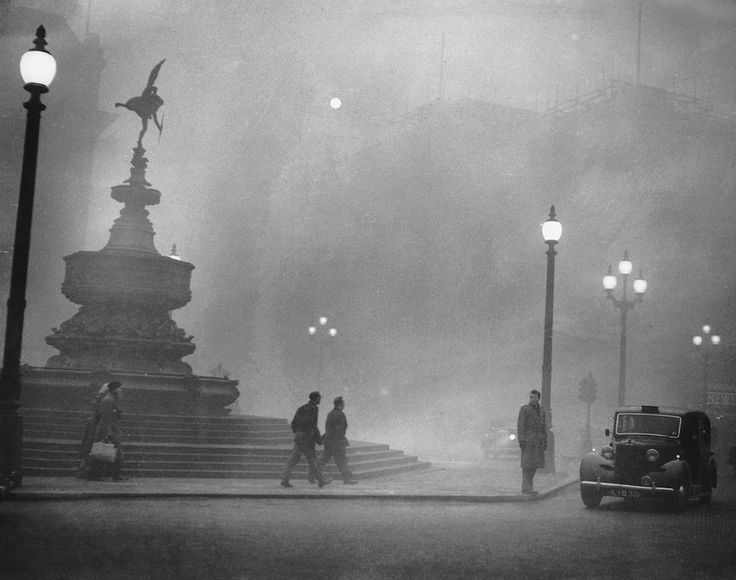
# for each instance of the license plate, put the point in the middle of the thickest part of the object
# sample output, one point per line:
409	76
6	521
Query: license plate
624	492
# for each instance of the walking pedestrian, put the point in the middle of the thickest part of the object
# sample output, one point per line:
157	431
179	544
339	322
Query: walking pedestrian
106	429
306	437
335	441
89	433
532	436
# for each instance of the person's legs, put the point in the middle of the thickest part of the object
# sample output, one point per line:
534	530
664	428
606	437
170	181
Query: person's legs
294	458
314	467
84	449
117	466
527	479
323	461
342	464
95	470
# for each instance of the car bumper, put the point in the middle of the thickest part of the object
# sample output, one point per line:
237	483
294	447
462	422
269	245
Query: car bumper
626	490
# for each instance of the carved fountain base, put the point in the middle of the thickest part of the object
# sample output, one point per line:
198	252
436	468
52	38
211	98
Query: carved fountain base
143	393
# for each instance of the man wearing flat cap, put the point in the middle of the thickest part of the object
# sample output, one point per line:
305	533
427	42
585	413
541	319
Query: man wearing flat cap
335	441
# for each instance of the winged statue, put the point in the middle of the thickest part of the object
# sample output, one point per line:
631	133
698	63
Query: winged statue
147	104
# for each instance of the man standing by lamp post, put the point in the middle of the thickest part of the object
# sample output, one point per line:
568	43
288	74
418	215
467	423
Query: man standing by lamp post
531	430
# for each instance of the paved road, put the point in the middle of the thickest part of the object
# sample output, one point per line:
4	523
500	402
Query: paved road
194	537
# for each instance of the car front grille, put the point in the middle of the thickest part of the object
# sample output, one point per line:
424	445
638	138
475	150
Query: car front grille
631	463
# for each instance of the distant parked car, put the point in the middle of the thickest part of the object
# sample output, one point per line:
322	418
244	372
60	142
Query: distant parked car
655	452
500	443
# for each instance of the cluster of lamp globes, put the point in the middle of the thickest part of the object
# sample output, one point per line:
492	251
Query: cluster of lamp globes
624	267
322	322
715	340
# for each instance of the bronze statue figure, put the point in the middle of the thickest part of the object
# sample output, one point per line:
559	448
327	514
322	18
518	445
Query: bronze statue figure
147	104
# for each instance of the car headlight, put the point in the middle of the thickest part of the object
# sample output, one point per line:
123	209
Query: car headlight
652	455
607	452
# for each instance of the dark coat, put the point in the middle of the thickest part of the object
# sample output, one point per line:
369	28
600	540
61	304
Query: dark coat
107	424
532	435
336	426
304	424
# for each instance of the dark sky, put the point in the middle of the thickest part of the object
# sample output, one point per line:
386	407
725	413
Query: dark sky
274	196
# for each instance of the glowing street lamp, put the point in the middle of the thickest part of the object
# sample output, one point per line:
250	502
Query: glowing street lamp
610	282
706	343
321	335
551	233
37	68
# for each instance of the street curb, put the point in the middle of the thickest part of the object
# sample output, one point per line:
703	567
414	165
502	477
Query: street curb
385	496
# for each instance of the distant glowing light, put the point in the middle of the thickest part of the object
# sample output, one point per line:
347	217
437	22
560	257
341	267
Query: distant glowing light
335	103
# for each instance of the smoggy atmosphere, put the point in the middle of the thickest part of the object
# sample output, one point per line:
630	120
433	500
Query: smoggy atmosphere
409	213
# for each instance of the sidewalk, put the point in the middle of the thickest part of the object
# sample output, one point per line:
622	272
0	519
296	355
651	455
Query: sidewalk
443	481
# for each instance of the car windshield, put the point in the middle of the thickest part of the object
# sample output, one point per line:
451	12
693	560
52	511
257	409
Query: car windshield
641	424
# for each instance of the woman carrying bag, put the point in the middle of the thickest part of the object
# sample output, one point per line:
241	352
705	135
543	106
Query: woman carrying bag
89	433
106	430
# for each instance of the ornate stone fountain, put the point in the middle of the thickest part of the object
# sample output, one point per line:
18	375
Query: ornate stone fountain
124	329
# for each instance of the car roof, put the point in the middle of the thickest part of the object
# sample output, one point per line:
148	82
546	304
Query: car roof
679	411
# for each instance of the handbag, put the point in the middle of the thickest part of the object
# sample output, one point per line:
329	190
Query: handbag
102	451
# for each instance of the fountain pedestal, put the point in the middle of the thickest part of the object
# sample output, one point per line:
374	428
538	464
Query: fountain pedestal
124	329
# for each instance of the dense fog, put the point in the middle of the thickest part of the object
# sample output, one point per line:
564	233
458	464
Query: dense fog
410	215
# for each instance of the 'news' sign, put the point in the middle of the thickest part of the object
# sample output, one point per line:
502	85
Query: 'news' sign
720	399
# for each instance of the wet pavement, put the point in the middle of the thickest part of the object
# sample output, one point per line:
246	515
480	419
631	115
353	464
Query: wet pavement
492	482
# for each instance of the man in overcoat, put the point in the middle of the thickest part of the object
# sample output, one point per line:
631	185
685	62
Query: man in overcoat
335	441
306	436
532	437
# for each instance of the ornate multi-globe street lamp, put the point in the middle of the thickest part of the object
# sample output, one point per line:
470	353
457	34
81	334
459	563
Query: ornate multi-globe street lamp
551	233
322	336
624	305
705	343
37	68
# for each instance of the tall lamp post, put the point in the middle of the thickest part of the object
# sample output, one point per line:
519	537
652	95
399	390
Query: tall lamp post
624	305
37	68
706	342
551	232
321	334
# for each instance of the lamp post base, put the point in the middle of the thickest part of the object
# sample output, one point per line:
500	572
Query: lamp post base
11	445
549	455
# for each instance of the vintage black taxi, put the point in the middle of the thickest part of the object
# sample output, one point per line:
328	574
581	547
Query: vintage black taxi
654	452
500	443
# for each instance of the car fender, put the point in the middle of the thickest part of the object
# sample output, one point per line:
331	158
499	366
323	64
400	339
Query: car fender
594	467
672	474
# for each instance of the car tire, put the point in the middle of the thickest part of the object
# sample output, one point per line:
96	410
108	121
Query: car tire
707	495
681	493
591	498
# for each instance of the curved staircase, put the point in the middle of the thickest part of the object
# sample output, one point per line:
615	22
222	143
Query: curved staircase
246	447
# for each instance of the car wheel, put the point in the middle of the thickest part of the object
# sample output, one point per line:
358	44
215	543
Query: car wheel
591	498
707	491
681	494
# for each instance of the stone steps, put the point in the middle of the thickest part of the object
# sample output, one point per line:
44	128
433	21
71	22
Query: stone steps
240	447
